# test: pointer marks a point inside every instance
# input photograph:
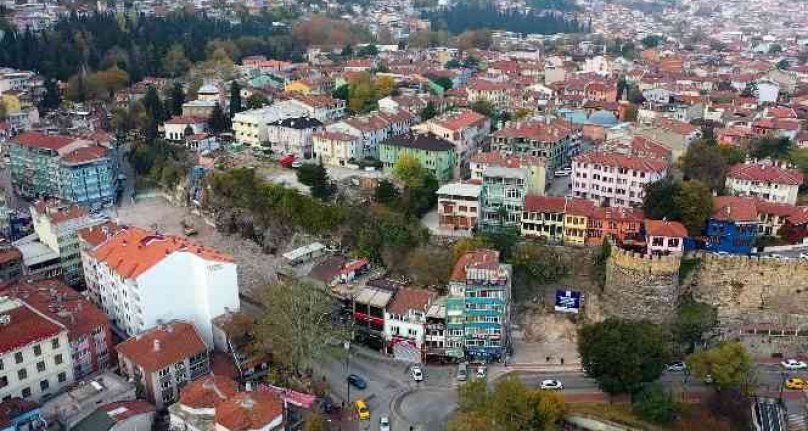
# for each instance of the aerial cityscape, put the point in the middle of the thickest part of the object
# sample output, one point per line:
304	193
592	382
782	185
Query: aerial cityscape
414	215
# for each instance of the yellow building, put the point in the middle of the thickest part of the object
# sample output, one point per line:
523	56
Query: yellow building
576	218
299	86
11	101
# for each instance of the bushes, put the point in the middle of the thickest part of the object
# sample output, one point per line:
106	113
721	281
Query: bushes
655	404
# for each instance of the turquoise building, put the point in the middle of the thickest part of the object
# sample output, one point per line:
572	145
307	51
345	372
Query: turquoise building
435	154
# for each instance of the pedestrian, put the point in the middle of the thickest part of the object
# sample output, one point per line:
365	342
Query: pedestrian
562	361
547	359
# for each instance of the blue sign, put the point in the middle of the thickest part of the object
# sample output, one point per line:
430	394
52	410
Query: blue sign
567	301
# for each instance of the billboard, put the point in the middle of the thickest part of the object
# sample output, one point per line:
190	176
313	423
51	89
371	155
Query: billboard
567	301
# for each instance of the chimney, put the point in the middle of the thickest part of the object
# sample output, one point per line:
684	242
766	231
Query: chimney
157	345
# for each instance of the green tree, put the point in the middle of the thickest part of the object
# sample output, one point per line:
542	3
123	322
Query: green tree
429	266
369	50
655	404
783	64
693	319
386	193
342	92
651	41
775	48
429	111
235	99
623	355
444	82
153	105
770	147
257	100
347	51
704	161
732	154
175	63
408	169
315	422
218	121
296	324
509	406
52	98
177	99
729	365
695	203
453	64
484	107
659	199
316	177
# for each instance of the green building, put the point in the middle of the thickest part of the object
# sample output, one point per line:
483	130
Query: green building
478	308
435	154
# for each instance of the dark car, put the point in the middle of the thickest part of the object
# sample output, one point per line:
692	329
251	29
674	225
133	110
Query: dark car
357	381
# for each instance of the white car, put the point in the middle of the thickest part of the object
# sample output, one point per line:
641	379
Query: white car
563	172
481	372
417	374
803	255
677	367
384	423
793	364
296	164
551	385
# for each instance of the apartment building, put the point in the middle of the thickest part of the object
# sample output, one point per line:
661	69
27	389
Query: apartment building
373	128
88	329
196	407
618	225
613	179
34	352
163	359
765	180
576	221
502	197
548	141
74	169
435	154
543	217
404	323
293	136
458	205
56	225
133	270
496	93
478	307
536	168
466	130
250	127
335	148
323	108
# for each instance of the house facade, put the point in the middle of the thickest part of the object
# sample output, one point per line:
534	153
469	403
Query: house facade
766	181
458	206
614	179
664	237
502	197
433	153
335	148
293	136
404	323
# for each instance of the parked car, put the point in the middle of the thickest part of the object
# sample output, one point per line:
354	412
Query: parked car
384	423
481	372
357	381
462	372
565	172
551	385
416	373
296	164
362	409
796	383
677	367
793	364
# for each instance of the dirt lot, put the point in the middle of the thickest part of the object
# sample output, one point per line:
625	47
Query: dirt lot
255	268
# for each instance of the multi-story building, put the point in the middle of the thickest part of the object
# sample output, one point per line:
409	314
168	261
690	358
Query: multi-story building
433	153
293	136
543	217
321	107
56	225
465	129
404	323
69	407
162	360
576	221
73	169
458	205
17	414
373	128
664	236
11	264
766	181
548	141
196	407
434	347
250	127
733	226
88	328
614	179
176	129
495	93
536	168
478	307
502	197
335	148
619	225
34	352
131	271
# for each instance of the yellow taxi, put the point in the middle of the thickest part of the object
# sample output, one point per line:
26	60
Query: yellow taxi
796	383
362	409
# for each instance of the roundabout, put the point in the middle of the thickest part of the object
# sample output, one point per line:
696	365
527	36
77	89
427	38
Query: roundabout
424	408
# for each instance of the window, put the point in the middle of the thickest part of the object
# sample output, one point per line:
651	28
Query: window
43	385
26	392
1	364
55	343
58	359
18	357
3	381
37	350
22	374
40	366
62	377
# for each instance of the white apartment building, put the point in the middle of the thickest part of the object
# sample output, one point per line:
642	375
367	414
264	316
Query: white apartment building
335	148
765	180
373	128
35	355
293	136
250	127
175	128
458	205
404	322
143	279
613	179
321	107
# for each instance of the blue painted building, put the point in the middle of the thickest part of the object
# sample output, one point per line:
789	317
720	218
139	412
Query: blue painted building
733	226
17	414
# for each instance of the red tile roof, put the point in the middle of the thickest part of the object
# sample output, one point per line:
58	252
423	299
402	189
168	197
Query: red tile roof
39	140
580	207
665	228
85	154
7	254
133	251
676	126
334	136
617	214
799	216
96	235
497	158
162	346
26	326
410	299
208	392
623	161
249	411
643	146
487	86
57	212
765	173
734	208
535	131
59	302
545	204
461	120
479	259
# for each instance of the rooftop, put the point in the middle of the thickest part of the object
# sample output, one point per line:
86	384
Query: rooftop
460	189
207	392
24	325
666	228
410	299
421	141
624	161
40	140
478	259
763	172
250	411
162	346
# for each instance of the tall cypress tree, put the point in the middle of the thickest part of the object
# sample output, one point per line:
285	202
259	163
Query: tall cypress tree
235	99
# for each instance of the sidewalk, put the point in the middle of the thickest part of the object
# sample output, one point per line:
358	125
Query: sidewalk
497	371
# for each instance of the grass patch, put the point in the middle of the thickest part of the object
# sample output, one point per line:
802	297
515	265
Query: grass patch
618	413
687	267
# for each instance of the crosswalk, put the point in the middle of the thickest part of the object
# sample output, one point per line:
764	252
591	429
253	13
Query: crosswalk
797	422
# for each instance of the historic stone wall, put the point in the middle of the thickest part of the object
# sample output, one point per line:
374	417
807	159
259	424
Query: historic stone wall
749	291
638	287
